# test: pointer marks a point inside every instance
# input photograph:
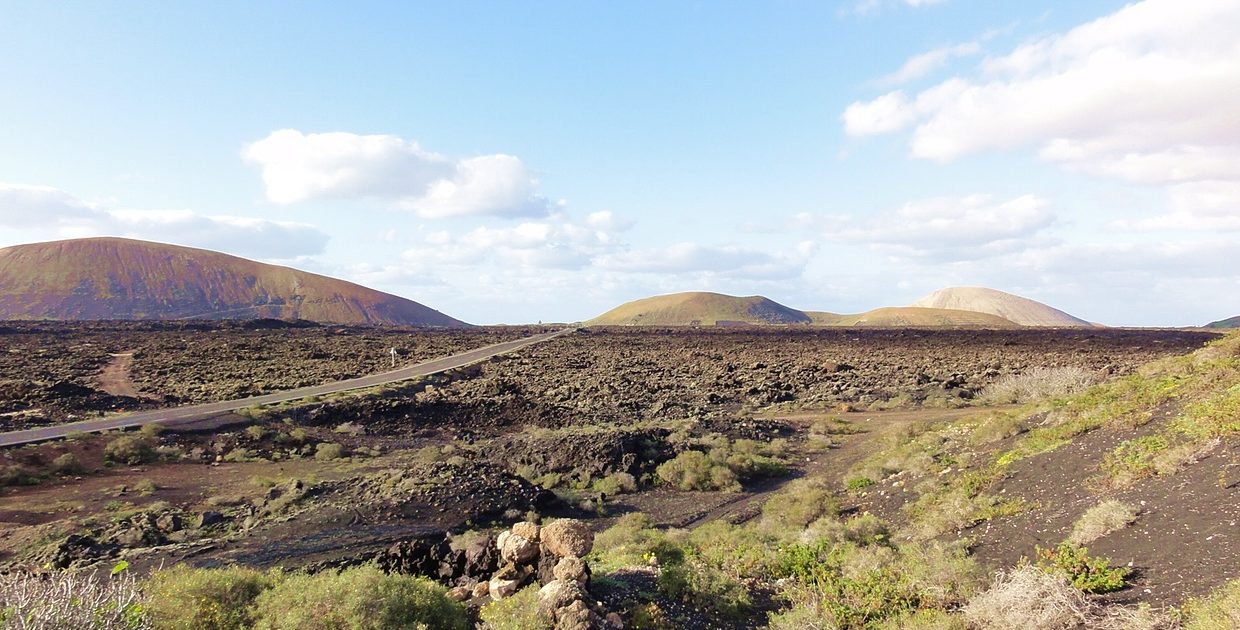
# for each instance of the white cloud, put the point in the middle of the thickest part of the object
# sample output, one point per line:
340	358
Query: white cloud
866	7
299	167
729	260
37	206
922	64
885	114
1156	75
54	213
944	228
1212	206
556	243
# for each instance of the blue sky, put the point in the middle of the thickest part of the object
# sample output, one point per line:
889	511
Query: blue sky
509	162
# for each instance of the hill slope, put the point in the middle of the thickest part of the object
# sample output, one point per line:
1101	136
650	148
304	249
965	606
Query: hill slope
1230	322
1013	308
117	278
901	316
699	308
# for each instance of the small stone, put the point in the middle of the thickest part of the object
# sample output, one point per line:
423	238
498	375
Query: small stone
482	589
614	621
500	588
460	593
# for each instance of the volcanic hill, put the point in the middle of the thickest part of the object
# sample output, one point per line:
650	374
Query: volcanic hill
1230	322
1013	308
913	316
700	308
118	278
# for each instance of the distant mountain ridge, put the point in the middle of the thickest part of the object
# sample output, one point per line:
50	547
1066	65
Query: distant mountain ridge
119	278
697	308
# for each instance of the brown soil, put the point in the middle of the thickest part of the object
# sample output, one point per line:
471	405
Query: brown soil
584	406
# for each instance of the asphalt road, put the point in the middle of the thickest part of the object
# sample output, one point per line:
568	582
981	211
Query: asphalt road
178	416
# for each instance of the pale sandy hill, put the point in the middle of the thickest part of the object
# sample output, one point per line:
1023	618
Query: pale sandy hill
912	316
1014	308
119	278
699	308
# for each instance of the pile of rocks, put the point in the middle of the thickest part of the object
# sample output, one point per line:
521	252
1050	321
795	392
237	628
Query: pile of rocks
550	555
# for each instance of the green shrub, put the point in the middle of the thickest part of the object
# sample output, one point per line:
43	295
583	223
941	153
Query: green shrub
1087	573
67	464
325	451
129	450
859	483
518	612
17	475
616	483
802	502
152	430
256	432
362	598
185	598
694	470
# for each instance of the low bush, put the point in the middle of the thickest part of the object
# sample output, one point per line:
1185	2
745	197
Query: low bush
362	598
1027	597
1088	573
800	503
67	464
256	432
694	470
184	598
616	483
326	451
1038	384
1102	519
518	612
129	450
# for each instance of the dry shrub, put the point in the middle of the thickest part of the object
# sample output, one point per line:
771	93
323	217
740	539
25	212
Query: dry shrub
1102	519
1036	384
65	601
1219	611
1027	597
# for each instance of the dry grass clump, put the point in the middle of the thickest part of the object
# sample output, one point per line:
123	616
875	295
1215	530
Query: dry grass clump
70	600
1037	384
1102	519
1027	597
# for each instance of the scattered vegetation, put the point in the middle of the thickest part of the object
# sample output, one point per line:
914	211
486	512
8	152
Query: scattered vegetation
327	451
1218	611
723	466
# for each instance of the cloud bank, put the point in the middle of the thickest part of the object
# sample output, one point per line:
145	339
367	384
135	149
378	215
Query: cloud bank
300	167
62	215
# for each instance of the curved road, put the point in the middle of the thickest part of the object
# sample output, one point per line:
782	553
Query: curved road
178	416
